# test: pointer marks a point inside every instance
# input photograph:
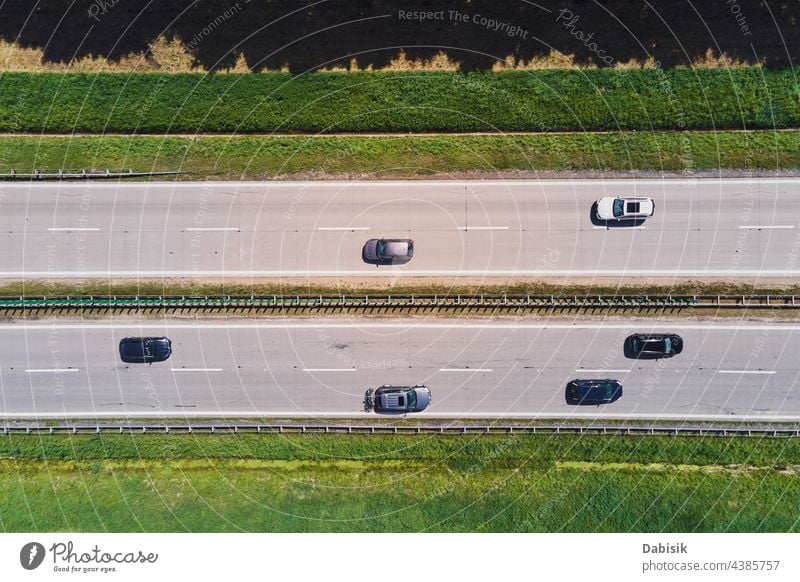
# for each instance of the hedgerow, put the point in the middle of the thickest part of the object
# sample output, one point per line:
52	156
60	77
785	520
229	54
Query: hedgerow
407	101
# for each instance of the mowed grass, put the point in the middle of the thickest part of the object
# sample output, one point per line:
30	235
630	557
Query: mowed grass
361	483
400	101
266	157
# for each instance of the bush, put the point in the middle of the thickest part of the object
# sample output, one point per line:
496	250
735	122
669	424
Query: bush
408	101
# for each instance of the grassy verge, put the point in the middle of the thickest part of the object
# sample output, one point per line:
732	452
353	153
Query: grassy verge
407	101
254	157
66	287
360	483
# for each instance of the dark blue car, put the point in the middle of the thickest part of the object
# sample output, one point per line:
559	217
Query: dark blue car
144	350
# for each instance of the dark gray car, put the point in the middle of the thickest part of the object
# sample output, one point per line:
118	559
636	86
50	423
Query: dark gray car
389	250
603	391
653	345
401	399
144	350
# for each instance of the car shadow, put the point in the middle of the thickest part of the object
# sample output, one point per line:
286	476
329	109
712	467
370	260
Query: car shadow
612	223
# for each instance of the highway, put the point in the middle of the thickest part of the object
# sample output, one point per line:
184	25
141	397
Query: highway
321	368
701	228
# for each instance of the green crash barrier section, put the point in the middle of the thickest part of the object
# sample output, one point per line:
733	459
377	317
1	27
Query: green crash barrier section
371	301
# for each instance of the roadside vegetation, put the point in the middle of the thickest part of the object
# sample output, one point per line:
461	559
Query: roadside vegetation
402	101
40	288
362	483
418	156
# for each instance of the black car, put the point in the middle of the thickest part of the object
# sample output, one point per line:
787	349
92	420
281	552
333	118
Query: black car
653	345
593	391
144	350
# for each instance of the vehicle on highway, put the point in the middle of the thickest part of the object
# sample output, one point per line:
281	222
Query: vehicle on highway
618	208
389	250
653	345
401	399
593	391
144	350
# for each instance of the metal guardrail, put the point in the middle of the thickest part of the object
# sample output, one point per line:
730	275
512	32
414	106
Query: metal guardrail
501	301
244	428
81	175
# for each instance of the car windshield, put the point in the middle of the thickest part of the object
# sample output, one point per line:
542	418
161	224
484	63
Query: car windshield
412	399
608	390
380	248
637	345
619	207
667	344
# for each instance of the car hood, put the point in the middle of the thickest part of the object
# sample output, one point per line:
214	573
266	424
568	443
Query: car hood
645	206
605	207
162	349
423	398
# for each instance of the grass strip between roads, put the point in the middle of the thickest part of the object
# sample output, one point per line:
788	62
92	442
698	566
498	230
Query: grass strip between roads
400	101
265	157
367	483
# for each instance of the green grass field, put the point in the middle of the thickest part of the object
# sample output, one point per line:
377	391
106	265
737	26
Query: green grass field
252	157
361	483
401	101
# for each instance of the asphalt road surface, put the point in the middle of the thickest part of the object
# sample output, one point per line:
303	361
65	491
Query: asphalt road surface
701	228
321	368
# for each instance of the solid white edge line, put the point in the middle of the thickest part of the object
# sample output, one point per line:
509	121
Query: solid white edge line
54	370
431	415
195	369
427	183
400	272
746	372
466	370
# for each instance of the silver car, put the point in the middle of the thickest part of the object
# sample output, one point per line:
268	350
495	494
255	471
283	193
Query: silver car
401	399
625	208
389	250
